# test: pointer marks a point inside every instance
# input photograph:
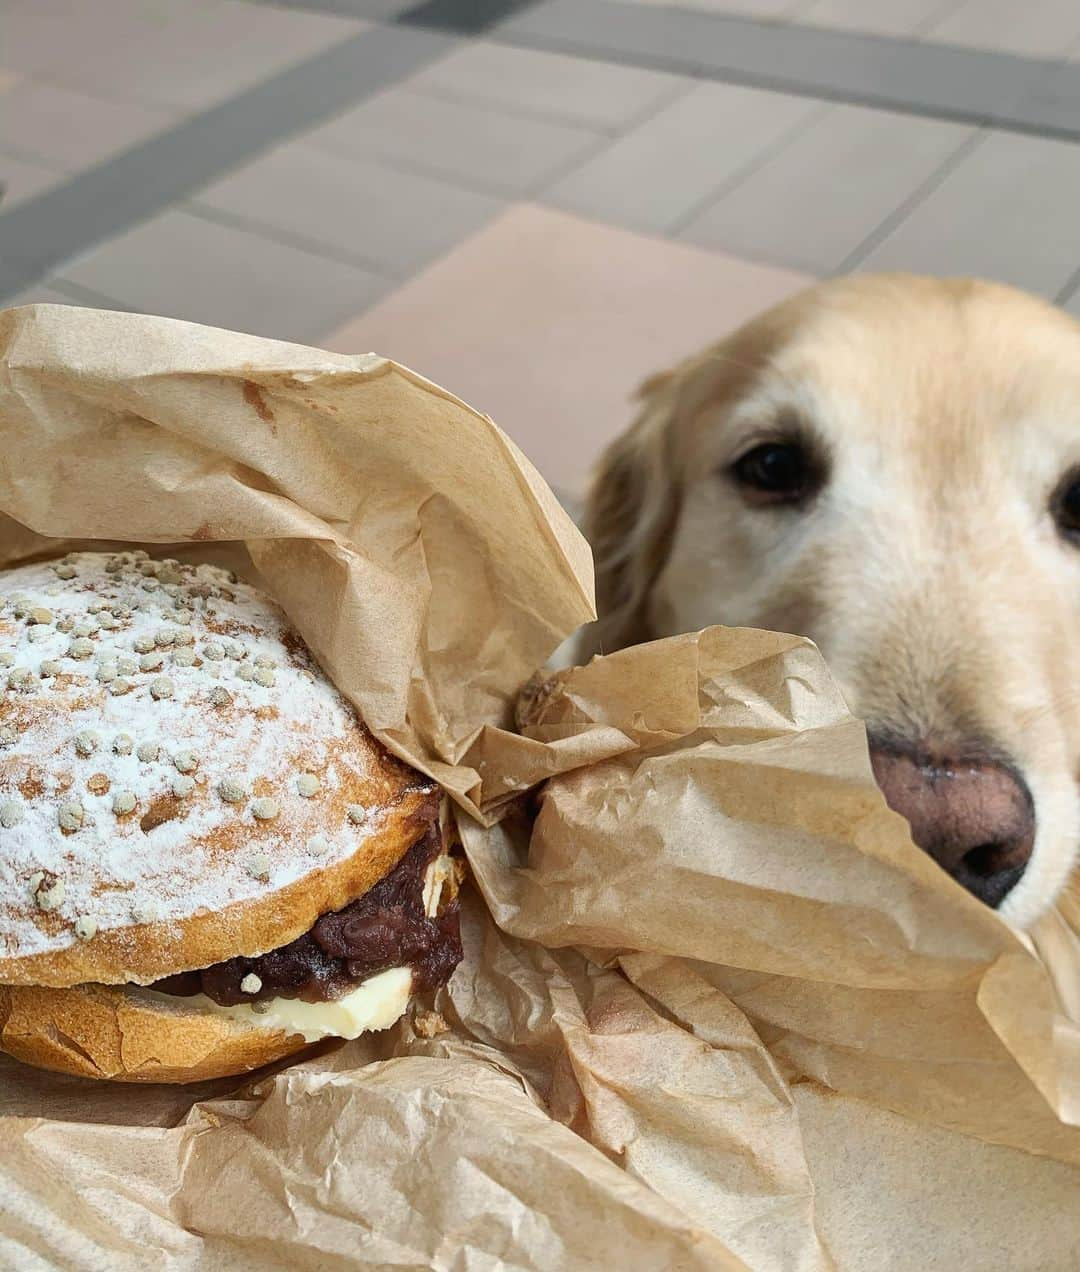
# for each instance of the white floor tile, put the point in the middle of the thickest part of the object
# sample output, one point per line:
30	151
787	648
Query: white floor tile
1033	28
365	211
655	175
844	174
1006	211
183	266
879	17
472	145
574	89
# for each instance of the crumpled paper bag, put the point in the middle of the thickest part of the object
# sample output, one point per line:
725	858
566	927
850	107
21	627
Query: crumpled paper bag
716	1010
744	832
406	536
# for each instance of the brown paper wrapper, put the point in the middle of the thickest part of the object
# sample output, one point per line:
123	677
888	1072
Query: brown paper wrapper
716	1010
409	539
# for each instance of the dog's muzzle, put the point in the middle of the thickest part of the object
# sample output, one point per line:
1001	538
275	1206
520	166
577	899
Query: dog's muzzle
974	815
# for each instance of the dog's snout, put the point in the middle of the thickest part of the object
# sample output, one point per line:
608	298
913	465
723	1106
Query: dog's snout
974	815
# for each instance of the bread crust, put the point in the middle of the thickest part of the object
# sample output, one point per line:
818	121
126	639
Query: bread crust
167	810
99	1031
143	954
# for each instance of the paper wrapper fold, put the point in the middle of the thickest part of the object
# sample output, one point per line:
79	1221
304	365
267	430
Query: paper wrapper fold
415	548
716	1010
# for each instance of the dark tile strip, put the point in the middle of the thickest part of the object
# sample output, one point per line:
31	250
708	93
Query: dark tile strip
971	86
466	17
376	10
38	235
463	17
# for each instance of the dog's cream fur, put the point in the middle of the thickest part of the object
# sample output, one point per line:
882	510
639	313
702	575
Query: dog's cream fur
929	570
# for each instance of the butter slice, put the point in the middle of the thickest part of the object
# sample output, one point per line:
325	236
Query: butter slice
378	1003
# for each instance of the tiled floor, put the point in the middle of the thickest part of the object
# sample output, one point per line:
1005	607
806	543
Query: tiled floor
655	176
369	212
853	167
1006	211
70	128
564	318
471	146
23	178
183	265
534	203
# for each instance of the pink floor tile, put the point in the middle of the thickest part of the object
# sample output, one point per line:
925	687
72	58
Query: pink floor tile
549	323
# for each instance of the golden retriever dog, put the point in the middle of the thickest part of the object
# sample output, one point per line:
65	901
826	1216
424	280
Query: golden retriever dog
889	465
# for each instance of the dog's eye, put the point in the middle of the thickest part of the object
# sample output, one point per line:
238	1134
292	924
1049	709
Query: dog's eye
1067	507
776	472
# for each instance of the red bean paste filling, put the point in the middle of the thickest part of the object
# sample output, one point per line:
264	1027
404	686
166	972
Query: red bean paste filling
385	928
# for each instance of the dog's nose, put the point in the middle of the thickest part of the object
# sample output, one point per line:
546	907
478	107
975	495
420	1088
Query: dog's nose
974	816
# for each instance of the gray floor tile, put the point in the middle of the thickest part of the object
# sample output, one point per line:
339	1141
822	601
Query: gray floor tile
579	90
184	266
42	295
246	43
101	202
659	173
22	178
1007	211
53	291
886	17
72	129
367	211
1034	28
1073	303
477	147
845	174
185	55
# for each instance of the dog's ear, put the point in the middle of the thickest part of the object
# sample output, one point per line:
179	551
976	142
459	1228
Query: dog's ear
630	515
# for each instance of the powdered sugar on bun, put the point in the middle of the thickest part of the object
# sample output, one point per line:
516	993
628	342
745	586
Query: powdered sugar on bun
168	750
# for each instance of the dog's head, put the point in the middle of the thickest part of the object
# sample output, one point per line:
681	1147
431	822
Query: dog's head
890	466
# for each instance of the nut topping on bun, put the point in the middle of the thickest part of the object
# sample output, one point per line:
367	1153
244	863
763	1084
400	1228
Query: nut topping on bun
205	858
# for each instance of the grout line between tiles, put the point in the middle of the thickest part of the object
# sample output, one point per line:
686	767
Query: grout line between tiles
516	111
1068	290
177	110
904	209
24	155
945	10
605	142
504	108
682	90
87	296
470	185
116	98
540	188
290	238
764	156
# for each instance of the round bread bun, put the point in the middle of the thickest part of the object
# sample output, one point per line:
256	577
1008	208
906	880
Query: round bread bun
101	1031
179	782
